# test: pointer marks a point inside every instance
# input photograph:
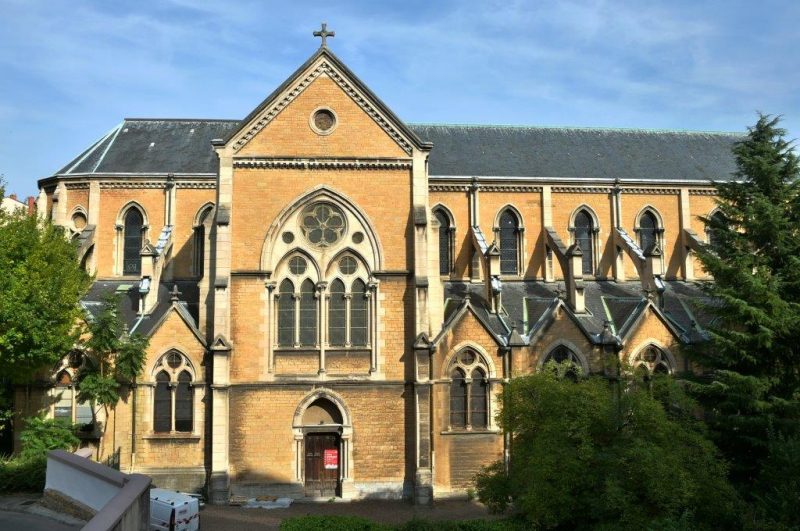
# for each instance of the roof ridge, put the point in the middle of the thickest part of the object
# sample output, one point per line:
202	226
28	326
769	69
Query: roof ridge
578	128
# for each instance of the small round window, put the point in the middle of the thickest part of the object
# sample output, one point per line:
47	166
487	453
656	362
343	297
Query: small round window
348	265
297	265
358	237
323	224
288	237
174	360
323	121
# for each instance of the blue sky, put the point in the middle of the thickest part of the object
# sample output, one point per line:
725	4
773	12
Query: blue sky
71	70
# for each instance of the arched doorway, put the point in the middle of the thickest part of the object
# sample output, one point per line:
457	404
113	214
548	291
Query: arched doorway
322	424
322	433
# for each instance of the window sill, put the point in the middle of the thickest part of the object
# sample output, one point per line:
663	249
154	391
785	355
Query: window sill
471	432
171	436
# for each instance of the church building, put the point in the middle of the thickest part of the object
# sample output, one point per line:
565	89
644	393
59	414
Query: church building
335	298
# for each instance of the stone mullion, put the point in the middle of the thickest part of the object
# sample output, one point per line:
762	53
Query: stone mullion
172	389
348	297
272	324
372	286
296	299
322	322
468	384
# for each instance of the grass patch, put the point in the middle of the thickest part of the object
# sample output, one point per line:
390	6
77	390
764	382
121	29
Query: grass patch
357	523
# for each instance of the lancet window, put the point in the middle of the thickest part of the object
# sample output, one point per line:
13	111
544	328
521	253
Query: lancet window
469	391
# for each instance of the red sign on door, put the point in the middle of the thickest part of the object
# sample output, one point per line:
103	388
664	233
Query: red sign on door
331	459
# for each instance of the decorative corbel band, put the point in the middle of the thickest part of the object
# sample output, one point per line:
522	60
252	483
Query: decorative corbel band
583	189
702	191
448	187
324	164
651	191
323	68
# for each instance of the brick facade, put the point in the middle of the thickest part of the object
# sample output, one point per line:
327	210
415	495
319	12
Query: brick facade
389	399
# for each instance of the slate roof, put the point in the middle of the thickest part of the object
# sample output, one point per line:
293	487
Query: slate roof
128	292
528	305
572	152
154	146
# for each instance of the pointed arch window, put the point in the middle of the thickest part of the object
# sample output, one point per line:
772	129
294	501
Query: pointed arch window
584	237
67	408
717	219
201	230
132	242
359	314
286	314
648	230
458	399
652	360
308	314
445	243
337	314
173	397
469	391
509	243
348	314
564	355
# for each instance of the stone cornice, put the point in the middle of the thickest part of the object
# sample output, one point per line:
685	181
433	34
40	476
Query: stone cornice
322	164
702	191
322	68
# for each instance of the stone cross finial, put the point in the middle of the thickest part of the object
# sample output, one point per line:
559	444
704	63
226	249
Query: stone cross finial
173	295
324	33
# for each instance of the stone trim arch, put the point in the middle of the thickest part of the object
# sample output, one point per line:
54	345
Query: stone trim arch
282	267
462	346
196	222
127	206
320	193
332	271
313	396
568	344
653	210
345	430
447	212
515	210
590	211
652	342
160	361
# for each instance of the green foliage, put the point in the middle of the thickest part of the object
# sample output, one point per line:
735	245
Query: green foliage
753	357
331	523
357	523
778	487
508	524
41	283
42	435
26	472
114	357
22	475
586	455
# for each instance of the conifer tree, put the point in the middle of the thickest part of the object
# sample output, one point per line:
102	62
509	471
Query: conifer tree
750	392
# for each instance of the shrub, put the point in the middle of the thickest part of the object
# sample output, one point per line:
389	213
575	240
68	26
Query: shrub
509	524
42	435
22	475
591	454
331	523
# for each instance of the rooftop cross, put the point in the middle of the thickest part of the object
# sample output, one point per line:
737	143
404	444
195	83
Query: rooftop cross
324	33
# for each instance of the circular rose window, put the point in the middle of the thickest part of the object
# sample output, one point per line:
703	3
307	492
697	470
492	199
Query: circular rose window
323	121
322	224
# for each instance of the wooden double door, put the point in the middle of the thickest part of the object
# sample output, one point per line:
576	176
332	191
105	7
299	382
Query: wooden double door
322	463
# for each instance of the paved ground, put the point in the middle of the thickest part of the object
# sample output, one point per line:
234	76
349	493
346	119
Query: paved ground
224	518
12	521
